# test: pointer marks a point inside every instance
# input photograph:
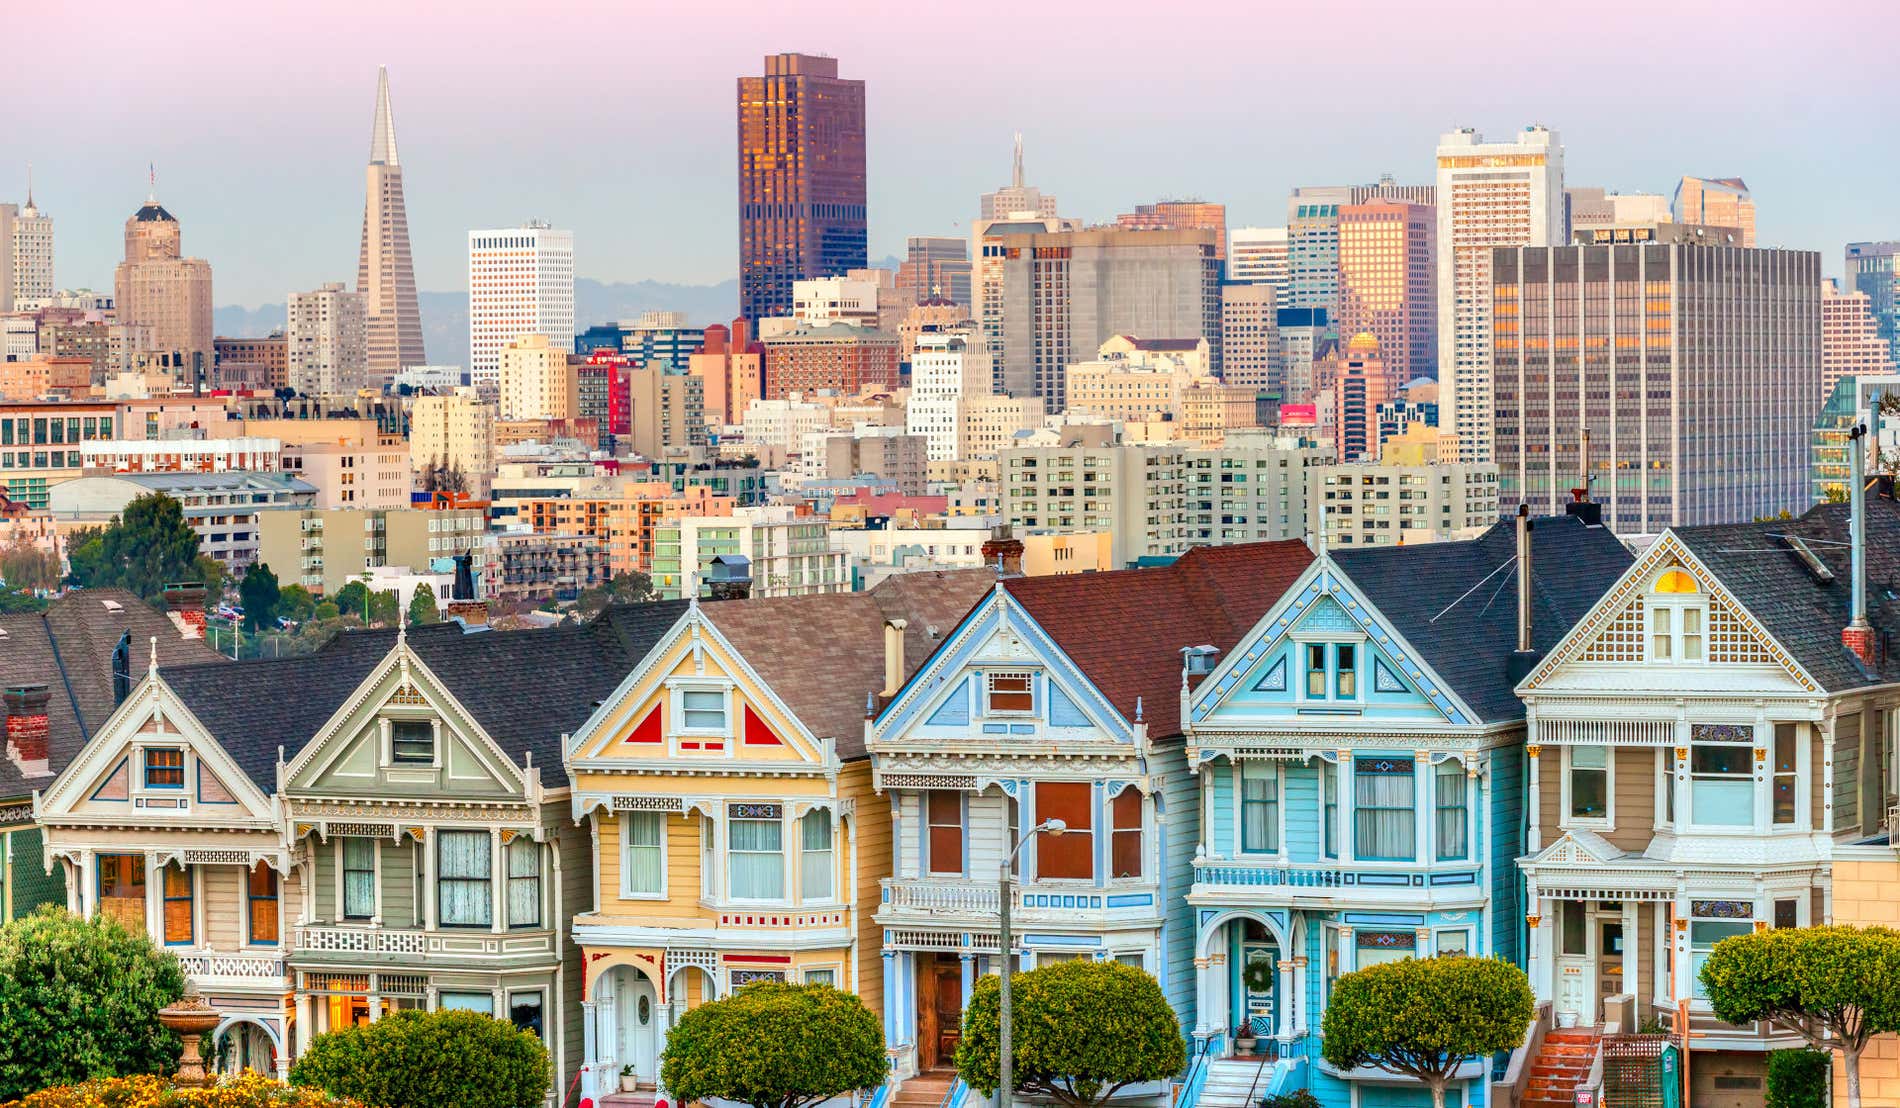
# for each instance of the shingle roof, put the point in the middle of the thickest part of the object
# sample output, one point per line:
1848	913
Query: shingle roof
1756	563
1125	629
68	648
823	655
1456	602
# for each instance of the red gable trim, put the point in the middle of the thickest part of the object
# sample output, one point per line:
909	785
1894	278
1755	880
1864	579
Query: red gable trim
648	729
757	733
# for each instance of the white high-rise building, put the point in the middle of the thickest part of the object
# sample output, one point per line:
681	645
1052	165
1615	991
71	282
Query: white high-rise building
1258	256
947	369
1490	194
326	347
32	246
520	282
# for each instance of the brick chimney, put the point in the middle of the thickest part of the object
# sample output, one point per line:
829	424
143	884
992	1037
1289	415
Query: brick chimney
1858	635
27	729
1003	549
185	604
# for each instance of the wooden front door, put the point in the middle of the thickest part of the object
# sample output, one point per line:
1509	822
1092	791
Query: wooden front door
1609	965
939	1011
949	1011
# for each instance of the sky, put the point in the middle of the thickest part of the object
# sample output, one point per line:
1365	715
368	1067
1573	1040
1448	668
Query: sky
616	119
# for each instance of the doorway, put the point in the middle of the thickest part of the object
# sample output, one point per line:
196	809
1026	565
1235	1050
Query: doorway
636	1016
1609	954
939	1010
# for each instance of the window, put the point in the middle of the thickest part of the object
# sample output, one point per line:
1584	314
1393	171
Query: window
817	869
1711	921
164	767
1786	780
1124	841
643	862
412	742
1721	775
467	1002
1573	928
261	905
943	818
822	977
1383	814
703	709
1345	671
1452	942
1787	913
1378	947
1010	694
1259	807
1453	829
359	878
1329	794
524	882
1316	670
464	889
524	1011
122	889
1070	855
757	851
1676	615
1589	782
177	906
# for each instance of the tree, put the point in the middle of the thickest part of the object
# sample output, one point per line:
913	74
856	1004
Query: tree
148	547
79	999
384	608
353	599
1798	1078
411	1059
1424	1017
1081	1032
1836	987
774	1046
260	597
23	565
296	603
422	605
327	610
85	555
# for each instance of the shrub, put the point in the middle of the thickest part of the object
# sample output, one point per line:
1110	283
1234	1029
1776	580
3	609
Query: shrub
79	999
774	1046
1798	1078
1423	1017
1298	1098
427	1060
247	1090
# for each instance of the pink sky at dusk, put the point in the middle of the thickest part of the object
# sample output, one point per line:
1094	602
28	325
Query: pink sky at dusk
616	119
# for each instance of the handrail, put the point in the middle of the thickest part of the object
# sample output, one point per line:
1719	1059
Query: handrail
953	1096
1196	1075
1271	1058
882	1096
1517	1073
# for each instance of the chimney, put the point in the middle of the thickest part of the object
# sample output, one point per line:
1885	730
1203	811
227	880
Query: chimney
1524	658
27	730
1858	635
893	657
185	604
1002	549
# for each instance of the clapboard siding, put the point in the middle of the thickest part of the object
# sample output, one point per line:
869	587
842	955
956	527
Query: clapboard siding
1178	827
1635	787
870	859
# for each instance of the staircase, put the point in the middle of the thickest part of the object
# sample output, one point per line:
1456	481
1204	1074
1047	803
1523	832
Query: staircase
926	1090
1561	1065
1235	1084
642	1099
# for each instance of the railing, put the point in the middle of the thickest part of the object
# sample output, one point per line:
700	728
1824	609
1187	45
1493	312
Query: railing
881	1097
1255	873
357	940
959	898
1037	900
954	1095
1271	1057
1507	1087
1196	1075
246	967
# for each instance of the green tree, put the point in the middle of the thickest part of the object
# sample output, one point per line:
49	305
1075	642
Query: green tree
327	610
79	999
1424	1017
11	602
297	603
1798	1078
384	607
353	599
1080	1033
411	1059
422	607
23	565
148	547
86	556
1836	987
259	595
774	1046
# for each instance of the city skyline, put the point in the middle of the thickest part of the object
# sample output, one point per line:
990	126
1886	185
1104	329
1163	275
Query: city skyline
930	155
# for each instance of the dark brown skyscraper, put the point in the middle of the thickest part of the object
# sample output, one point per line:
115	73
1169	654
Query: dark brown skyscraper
801	179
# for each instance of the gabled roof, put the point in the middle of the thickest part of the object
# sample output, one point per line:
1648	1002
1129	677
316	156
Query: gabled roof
525	688
68	648
1456	602
1760	568
824	655
1125	629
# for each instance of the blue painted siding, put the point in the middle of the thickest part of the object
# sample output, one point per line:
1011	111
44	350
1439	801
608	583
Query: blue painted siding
1226	836
1303	815
1180	800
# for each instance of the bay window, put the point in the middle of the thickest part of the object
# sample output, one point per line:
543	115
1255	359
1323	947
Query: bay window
943	826
1711	921
261	905
643	859
1259	807
1070	855
1589	782
465	885
1721	775
1453	830
756	851
524	882
178	930
359	878
1786	774
1124	841
817	859
1384	815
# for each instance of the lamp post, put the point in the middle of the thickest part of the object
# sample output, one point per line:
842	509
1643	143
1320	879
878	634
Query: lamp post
1003	1053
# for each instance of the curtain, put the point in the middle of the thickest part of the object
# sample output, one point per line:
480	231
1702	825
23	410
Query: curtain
757	859
645	859
1383	817
359	878
524	882
178	931
1454	819
1259	808
816	871
466	873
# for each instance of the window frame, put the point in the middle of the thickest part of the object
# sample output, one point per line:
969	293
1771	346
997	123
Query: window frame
1119	832
541	1002
1457	770
931	826
486	880
1799	740
1728	922
1028	692
509	855
398	761
784	879
1336	686
818	817
1567	817
343	871
146	767
1746	750
167	897
1268	808
252	901
628	846
126	862
1408	810
1045	843
1675	606
677	691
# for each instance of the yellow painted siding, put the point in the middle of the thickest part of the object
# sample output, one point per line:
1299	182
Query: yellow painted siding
682	877
871	861
1865	892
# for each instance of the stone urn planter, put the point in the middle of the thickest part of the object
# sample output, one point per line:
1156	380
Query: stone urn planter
191	1019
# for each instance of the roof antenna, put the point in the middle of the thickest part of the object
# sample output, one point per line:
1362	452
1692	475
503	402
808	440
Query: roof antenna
151	178
1016	166
29	184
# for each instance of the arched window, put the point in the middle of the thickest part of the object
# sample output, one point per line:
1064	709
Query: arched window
1678	618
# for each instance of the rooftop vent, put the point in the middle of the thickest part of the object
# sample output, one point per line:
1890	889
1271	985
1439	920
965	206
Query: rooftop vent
113	605
1811	561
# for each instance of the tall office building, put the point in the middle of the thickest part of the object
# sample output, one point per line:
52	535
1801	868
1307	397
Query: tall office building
801	179
1490	194
1386	269
155	287
1017	198
27	249
536	380
1250	337
326	344
990	248
1312	232
1387	188
1258	256
520	282
1594	209
1851	345
384	273
1065	293
1716	202
1179	215
1874	268
935	269
1693	366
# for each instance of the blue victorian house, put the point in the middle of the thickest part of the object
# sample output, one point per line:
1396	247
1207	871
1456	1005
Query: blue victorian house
1361	768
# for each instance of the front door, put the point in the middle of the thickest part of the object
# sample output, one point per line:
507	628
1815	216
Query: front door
949	1011
1576	987
637	1017
1609	966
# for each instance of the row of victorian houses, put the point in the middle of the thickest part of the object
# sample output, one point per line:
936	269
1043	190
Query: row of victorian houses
1531	745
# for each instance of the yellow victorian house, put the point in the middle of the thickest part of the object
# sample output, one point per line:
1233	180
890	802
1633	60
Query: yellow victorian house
736	834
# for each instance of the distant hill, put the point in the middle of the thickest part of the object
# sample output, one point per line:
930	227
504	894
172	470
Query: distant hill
445	314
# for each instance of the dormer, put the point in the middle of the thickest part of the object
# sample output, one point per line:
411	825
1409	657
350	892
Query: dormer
1677	619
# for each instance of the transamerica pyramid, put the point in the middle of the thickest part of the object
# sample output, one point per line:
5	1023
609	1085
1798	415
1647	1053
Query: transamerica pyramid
384	273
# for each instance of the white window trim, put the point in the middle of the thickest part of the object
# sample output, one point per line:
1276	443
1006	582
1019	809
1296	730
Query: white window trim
1759	778
836	884
626	846
990	675
1608	822
677	687
376	893
836	969
386	727
187	766
1279	809
1676	603
1332	641
1803	781
1471	939
786	828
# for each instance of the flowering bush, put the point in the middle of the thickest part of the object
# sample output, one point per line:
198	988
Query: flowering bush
247	1090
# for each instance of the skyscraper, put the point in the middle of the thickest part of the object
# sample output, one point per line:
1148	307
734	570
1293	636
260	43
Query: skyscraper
801	179
384	273
1016	197
1179	215
1874	268
1258	256
1851	345
31	243
1385	283
1490	194
1716	202
936	269
155	287
326	340
1312	236
1250	337
520	282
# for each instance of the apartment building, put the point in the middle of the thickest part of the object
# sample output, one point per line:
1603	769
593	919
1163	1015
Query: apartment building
1392	505
324	549
786	554
1137	493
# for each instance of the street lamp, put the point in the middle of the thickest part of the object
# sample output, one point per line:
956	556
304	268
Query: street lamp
1003	1058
